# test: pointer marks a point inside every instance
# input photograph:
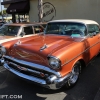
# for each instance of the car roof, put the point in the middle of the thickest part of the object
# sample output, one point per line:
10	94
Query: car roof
24	24
84	21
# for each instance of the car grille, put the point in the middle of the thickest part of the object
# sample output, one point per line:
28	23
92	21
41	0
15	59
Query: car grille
27	69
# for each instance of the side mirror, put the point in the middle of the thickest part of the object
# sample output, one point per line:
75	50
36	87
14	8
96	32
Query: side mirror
92	34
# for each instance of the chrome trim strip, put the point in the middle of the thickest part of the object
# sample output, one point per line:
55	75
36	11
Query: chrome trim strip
80	54
33	65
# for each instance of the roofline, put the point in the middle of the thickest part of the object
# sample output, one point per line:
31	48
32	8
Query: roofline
23	24
83	21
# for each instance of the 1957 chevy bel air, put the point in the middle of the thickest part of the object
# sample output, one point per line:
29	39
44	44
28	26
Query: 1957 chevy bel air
53	59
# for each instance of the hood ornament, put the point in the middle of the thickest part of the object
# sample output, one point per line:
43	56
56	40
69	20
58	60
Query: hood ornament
43	47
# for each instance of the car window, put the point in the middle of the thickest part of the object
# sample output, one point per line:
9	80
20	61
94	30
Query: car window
9	30
66	28
44	25
93	28
97	30
38	29
28	30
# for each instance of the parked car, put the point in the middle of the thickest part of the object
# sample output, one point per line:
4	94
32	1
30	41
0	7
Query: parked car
15	30
56	58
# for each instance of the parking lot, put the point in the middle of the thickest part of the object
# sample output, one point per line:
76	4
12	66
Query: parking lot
86	88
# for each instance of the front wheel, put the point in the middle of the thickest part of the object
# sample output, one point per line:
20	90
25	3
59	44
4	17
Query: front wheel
74	75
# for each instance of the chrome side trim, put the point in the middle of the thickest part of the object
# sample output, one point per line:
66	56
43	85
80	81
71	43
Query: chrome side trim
33	65
79	54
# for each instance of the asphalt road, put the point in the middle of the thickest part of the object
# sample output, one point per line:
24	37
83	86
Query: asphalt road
86	88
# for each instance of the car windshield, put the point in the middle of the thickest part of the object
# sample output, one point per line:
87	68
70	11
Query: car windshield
66	28
9	30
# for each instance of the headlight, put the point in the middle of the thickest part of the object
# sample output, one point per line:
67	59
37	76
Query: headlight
2	51
54	63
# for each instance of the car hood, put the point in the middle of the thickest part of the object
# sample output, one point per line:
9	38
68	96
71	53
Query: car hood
37	49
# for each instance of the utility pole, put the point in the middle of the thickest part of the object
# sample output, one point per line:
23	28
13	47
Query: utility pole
1	10
40	8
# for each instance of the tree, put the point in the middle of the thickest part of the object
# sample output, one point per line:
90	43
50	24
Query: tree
4	12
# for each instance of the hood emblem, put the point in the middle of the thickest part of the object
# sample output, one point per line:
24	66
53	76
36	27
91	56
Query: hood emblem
43	47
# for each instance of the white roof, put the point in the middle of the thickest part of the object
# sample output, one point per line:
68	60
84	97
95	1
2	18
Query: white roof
84	21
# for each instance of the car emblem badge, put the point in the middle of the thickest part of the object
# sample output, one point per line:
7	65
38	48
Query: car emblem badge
42	74
22	68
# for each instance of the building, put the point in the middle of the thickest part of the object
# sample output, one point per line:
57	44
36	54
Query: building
56	9
17	8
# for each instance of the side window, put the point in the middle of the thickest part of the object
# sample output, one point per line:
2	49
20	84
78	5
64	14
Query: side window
38	29
97	29
93	28
28	30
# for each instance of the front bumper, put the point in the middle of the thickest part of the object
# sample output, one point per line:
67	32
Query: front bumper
52	81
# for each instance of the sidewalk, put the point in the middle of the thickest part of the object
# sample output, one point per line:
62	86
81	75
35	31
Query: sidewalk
97	97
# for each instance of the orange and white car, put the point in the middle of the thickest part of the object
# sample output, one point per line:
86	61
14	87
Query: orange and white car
56	58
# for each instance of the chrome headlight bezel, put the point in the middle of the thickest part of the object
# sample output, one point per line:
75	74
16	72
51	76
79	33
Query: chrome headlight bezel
2	51
54	62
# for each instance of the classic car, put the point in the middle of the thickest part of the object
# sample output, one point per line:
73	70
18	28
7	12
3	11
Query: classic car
17	30
56	58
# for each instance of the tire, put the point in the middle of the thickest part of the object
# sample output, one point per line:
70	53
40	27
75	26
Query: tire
74	75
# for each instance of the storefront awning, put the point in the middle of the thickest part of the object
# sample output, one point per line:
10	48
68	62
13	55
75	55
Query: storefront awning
11	1
19	7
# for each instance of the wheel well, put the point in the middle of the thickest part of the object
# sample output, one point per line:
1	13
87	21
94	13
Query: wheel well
83	63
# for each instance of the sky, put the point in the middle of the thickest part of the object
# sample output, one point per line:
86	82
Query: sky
2	5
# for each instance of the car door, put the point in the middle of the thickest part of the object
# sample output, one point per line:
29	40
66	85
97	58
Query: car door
93	40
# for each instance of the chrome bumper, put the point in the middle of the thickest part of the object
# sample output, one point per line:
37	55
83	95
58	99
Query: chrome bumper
52	82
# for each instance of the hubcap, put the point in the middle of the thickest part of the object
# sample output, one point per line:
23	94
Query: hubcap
74	75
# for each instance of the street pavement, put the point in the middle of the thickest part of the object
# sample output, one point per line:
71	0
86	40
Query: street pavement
87	88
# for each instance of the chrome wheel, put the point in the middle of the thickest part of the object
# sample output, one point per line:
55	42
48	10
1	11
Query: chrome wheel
74	75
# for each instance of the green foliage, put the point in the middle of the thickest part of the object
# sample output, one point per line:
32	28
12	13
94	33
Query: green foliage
4	12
